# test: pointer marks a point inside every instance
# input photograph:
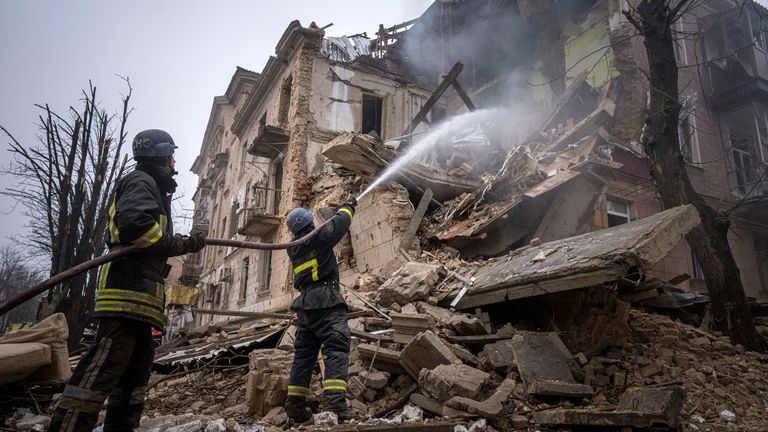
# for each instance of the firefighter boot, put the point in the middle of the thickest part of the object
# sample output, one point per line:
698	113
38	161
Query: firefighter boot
337	403
297	409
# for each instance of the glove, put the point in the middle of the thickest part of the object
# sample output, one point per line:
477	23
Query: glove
175	247
194	243
352	202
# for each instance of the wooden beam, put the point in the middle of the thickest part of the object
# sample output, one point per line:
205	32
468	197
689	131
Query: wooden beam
448	79
463	95
418	216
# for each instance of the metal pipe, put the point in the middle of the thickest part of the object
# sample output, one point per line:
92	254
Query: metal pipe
126	251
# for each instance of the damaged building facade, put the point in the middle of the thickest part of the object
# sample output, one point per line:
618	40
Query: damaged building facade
550	151
261	157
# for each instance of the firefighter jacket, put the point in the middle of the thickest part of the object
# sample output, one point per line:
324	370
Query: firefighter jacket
315	271
132	287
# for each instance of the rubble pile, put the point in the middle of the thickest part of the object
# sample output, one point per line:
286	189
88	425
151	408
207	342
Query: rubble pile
209	391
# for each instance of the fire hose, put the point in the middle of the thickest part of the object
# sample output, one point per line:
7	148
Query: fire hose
130	250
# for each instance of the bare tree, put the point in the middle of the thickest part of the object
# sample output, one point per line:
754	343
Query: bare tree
709	241
16	275
64	181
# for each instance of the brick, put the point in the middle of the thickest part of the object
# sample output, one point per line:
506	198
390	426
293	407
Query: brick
425	351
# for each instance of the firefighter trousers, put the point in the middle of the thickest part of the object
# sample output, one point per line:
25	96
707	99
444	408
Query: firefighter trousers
116	367
325	329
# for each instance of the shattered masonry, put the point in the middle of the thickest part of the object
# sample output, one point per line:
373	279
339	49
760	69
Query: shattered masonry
552	225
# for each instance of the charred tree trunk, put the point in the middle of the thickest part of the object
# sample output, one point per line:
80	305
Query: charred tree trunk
709	241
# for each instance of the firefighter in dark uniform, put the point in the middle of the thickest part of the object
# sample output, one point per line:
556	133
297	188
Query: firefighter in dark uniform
130	296
321	312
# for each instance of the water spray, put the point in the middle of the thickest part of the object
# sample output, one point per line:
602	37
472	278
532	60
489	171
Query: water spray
430	140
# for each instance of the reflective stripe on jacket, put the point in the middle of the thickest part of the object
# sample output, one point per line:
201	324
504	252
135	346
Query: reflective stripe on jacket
132	287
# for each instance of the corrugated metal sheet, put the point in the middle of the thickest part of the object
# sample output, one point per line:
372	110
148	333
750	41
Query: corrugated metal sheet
345	49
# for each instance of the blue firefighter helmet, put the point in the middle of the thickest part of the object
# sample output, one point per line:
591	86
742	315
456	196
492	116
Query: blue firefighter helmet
298	219
153	143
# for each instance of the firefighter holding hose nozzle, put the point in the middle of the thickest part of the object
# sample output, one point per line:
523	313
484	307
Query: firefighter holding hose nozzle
321	312
130	294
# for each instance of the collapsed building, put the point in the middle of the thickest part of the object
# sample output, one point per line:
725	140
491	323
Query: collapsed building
326	115
499	268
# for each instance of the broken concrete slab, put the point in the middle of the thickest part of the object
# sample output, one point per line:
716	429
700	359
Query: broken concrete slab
426	351
383	359
640	407
583	261
411	282
498	355
542	361
466	326
441	316
359	153
374	379
436	408
489	408
446	381
409	325
665	403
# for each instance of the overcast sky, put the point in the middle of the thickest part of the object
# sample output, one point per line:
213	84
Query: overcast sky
178	54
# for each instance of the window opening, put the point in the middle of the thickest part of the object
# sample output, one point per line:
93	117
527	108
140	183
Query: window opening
244	278
618	213
372	106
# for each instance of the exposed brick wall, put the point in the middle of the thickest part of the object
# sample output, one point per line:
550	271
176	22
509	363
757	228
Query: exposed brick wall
378	227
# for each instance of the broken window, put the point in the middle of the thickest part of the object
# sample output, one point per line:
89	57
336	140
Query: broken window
761	252
372	112
746	137
244	279
689	142
285	102
618	212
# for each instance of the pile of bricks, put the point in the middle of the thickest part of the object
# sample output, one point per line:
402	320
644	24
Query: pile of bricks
266	384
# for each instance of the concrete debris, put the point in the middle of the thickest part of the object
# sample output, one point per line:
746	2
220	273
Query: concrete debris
410	414
498	356
326	418
727	416
266	384
426	351
408	325
446	381
542	361
412	282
